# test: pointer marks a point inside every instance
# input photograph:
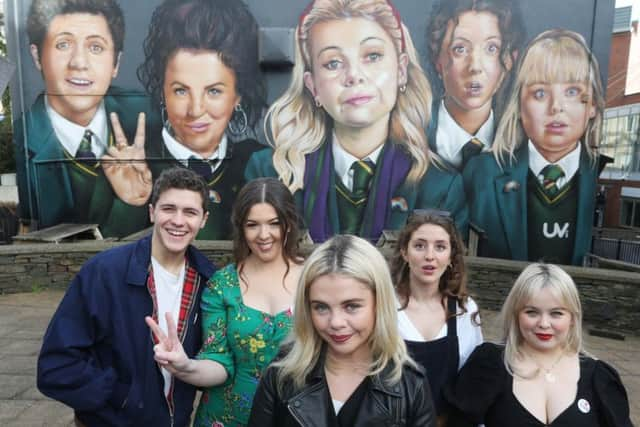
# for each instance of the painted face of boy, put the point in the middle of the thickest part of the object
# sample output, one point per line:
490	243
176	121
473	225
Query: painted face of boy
469	62
78	62
356	72
555	116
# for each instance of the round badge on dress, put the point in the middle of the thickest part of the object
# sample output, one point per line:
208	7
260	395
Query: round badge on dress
584	406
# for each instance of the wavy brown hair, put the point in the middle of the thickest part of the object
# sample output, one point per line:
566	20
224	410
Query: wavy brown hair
276	194
453	282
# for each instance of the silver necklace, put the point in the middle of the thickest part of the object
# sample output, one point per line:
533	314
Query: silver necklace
548	376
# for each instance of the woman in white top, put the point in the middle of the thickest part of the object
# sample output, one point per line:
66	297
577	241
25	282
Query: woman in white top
437	319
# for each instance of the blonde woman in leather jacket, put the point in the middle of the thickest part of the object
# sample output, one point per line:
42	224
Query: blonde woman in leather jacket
347	364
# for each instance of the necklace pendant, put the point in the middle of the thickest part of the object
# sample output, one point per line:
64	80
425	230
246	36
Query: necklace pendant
549	377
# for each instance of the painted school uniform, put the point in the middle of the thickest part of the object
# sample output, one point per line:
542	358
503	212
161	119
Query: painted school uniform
226	180
499	199
390	201
54	187
447	138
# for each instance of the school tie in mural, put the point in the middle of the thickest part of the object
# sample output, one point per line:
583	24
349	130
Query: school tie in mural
550	176
353	205
204	168
470	149
362	172
84	152
453	111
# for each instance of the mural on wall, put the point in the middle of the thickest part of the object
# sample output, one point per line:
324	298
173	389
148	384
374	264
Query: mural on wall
63	138
471	112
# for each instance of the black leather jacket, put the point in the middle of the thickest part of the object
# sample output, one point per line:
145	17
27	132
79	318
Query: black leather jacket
407	403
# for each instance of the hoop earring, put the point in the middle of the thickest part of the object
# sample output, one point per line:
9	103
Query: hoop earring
238	123
163	117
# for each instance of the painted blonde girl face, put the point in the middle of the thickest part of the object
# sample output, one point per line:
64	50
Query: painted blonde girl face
555	116
355	71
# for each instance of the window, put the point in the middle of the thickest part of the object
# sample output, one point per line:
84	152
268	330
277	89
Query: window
630	213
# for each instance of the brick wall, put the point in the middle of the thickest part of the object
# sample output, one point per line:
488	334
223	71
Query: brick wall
611	299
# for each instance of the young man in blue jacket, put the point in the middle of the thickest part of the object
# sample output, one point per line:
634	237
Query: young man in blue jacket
97	353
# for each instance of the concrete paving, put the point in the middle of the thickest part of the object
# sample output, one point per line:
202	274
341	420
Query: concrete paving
24	318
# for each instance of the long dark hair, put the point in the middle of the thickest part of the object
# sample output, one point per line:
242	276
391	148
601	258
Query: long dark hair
453	282
510	23
226	27
276	194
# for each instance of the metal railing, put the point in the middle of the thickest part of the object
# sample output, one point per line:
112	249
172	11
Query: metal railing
617	249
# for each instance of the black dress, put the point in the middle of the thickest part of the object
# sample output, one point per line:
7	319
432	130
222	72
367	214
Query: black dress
439	358
483	393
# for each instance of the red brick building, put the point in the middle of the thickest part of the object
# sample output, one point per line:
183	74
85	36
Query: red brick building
619	198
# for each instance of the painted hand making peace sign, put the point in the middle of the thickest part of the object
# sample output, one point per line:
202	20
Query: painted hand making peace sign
125	167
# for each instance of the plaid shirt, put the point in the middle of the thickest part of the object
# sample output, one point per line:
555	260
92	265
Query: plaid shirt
189	289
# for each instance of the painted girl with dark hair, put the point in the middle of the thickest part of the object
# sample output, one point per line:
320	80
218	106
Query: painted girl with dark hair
472	45
201	67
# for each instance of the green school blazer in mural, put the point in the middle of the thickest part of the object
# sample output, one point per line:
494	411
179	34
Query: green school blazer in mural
45	184
439	188
498	204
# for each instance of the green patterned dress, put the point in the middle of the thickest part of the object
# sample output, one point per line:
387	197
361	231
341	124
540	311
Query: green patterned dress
244	340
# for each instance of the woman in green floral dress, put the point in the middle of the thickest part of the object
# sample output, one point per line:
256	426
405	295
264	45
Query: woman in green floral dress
247	307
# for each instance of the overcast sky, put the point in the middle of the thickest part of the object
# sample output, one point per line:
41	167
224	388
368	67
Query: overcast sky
634	3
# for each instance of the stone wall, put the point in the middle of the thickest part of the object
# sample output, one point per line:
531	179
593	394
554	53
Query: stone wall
31	267
611	299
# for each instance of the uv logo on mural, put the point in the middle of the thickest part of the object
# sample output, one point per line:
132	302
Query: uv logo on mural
560	232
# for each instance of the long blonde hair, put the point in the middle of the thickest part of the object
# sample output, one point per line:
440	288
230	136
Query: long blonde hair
553	56
531	281
355	258
295	127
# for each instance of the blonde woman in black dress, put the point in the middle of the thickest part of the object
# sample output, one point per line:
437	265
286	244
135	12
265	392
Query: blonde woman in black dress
540	376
